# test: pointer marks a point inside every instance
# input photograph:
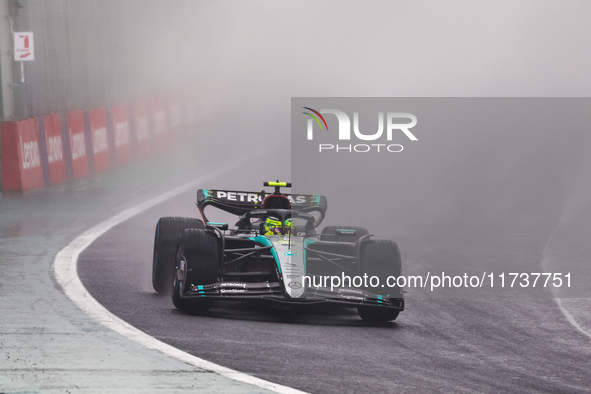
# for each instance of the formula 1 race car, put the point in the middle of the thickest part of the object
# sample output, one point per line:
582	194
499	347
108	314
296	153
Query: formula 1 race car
274	253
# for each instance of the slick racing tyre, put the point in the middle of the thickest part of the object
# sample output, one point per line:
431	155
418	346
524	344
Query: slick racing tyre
197	260
329	234
380	258
165	244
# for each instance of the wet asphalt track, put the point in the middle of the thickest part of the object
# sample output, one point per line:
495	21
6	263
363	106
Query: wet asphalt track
436	345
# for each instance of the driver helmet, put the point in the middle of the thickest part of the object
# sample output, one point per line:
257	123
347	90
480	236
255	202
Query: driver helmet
273	226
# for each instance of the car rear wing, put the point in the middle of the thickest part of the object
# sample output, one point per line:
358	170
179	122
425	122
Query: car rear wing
239	203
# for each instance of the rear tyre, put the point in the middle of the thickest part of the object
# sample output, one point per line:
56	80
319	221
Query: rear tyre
165	244
197	259
329	233
380	258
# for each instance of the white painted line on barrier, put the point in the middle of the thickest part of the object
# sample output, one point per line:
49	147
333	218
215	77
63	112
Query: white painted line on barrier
65	270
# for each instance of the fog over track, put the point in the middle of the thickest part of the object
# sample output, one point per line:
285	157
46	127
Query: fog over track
436	345
477	208
524	199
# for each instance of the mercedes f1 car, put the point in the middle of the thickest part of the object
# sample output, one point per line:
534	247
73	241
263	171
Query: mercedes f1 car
207	261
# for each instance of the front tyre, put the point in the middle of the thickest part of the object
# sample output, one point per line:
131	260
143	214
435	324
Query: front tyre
380	258
377	314
165	244
197	260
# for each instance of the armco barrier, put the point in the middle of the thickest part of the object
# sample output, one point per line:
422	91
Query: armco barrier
122	134
77	144
55	148
141	119
21	159
100	142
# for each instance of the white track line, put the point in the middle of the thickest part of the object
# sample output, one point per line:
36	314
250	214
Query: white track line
65	270
571	319
571	203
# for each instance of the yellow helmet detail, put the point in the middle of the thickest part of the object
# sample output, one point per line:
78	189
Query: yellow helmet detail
274	226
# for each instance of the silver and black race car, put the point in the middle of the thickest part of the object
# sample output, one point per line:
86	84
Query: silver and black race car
208	261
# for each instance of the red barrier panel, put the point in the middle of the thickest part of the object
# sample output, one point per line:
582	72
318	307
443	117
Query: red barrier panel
100	144
122	134
162	136
21	161
142	127
77	144
55	148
